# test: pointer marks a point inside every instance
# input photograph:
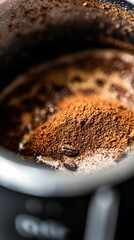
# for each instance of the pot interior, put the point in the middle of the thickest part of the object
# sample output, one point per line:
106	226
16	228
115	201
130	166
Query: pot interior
32	33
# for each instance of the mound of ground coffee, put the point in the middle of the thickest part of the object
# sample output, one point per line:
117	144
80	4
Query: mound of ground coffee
83	124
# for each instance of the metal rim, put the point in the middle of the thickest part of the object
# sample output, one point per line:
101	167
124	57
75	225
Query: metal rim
29	179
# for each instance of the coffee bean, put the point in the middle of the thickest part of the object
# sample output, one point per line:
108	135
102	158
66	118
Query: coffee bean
69	150
71	166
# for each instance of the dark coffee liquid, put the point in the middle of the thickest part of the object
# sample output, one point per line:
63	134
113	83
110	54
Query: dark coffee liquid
34	98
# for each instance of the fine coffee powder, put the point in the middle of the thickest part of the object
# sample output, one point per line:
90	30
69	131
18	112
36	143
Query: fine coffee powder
83	124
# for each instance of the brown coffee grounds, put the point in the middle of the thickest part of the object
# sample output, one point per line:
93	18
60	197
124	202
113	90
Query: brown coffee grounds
83	124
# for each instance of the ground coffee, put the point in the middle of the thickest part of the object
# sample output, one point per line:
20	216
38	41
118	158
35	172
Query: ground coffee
83	123
73	113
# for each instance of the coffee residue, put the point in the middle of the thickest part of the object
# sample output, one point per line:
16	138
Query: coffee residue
83	124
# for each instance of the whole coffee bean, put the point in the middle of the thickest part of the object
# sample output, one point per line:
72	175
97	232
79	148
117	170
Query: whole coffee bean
69	150
71	166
